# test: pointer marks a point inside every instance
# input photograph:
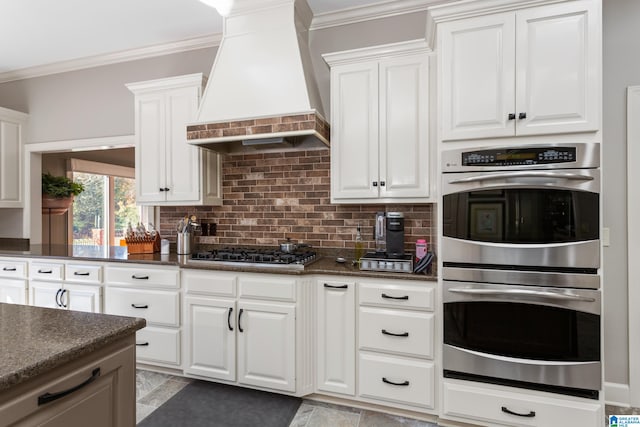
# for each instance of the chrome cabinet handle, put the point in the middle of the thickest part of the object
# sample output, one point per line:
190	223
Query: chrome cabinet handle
524	293
506	410
50	397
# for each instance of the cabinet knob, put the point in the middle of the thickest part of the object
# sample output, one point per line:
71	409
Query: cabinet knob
161	189
522	116
382	183
375	183
512	116
166	189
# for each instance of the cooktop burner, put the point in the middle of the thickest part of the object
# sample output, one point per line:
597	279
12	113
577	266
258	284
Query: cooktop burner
257	257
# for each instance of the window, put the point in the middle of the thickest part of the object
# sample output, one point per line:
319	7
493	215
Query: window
102	213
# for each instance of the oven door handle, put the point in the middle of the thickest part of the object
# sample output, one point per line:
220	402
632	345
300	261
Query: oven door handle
522	174
523	293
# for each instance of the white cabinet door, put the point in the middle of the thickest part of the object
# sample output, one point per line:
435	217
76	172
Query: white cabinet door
354	131
182	159
477	74
150	148
13	291
12	124
82	298
404	131
336	337
211	337
557	63
266	345
45	294
530	72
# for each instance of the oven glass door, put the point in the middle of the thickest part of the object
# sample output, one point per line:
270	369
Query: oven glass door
523	322
522	215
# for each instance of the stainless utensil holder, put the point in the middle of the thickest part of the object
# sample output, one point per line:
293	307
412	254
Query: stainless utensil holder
184	243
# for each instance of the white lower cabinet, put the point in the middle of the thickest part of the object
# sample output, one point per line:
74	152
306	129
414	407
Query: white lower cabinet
491	405
242	328
396	343
336	336
154	294
49	288
13	281
395	379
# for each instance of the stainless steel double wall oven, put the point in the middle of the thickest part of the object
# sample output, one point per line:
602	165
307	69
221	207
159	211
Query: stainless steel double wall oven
521	253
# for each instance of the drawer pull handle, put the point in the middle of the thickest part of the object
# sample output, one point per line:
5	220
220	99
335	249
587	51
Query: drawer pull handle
403	334
506	410
81	273
239	317
50	397
142	344
140	306
135	276
64	291
405	297
404	383
229	318
45	271
326	285
9	269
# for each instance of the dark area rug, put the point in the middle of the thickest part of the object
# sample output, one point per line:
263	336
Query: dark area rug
206	404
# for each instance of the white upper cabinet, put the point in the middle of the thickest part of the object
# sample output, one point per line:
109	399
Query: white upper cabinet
380	147
12	127
526	72
169	171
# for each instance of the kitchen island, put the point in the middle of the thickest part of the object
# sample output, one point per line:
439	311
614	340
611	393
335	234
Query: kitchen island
62	367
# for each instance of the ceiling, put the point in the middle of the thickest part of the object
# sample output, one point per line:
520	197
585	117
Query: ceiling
43	32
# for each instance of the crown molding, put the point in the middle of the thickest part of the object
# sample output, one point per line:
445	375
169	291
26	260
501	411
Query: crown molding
367	53
384	9
112	58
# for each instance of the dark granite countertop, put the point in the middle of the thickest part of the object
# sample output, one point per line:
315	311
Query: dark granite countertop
35	340
326	264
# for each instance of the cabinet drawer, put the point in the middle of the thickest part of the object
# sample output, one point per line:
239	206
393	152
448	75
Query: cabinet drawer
281	288
10	268
209	282
158	345
142	276
404	381
419	297
83	273
398	331
47	271
157	307
487	403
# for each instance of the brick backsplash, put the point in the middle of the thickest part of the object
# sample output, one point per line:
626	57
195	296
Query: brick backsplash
271	196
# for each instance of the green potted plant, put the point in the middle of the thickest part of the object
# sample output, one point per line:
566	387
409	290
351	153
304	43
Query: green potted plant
58	193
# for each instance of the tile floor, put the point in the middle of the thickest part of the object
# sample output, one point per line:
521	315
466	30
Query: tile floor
153	389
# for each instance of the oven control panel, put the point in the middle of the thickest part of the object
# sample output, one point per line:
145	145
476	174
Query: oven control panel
519	156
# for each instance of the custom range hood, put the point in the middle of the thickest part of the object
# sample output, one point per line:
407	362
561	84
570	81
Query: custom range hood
261	94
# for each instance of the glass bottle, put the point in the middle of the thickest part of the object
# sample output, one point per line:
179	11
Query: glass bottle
359	246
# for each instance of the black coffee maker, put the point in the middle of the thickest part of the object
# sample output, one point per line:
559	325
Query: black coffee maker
395	234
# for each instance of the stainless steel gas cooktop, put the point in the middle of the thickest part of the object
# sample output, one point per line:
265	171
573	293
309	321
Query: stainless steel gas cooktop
256	257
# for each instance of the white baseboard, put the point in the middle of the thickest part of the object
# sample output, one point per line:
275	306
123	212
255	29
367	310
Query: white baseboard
616	394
